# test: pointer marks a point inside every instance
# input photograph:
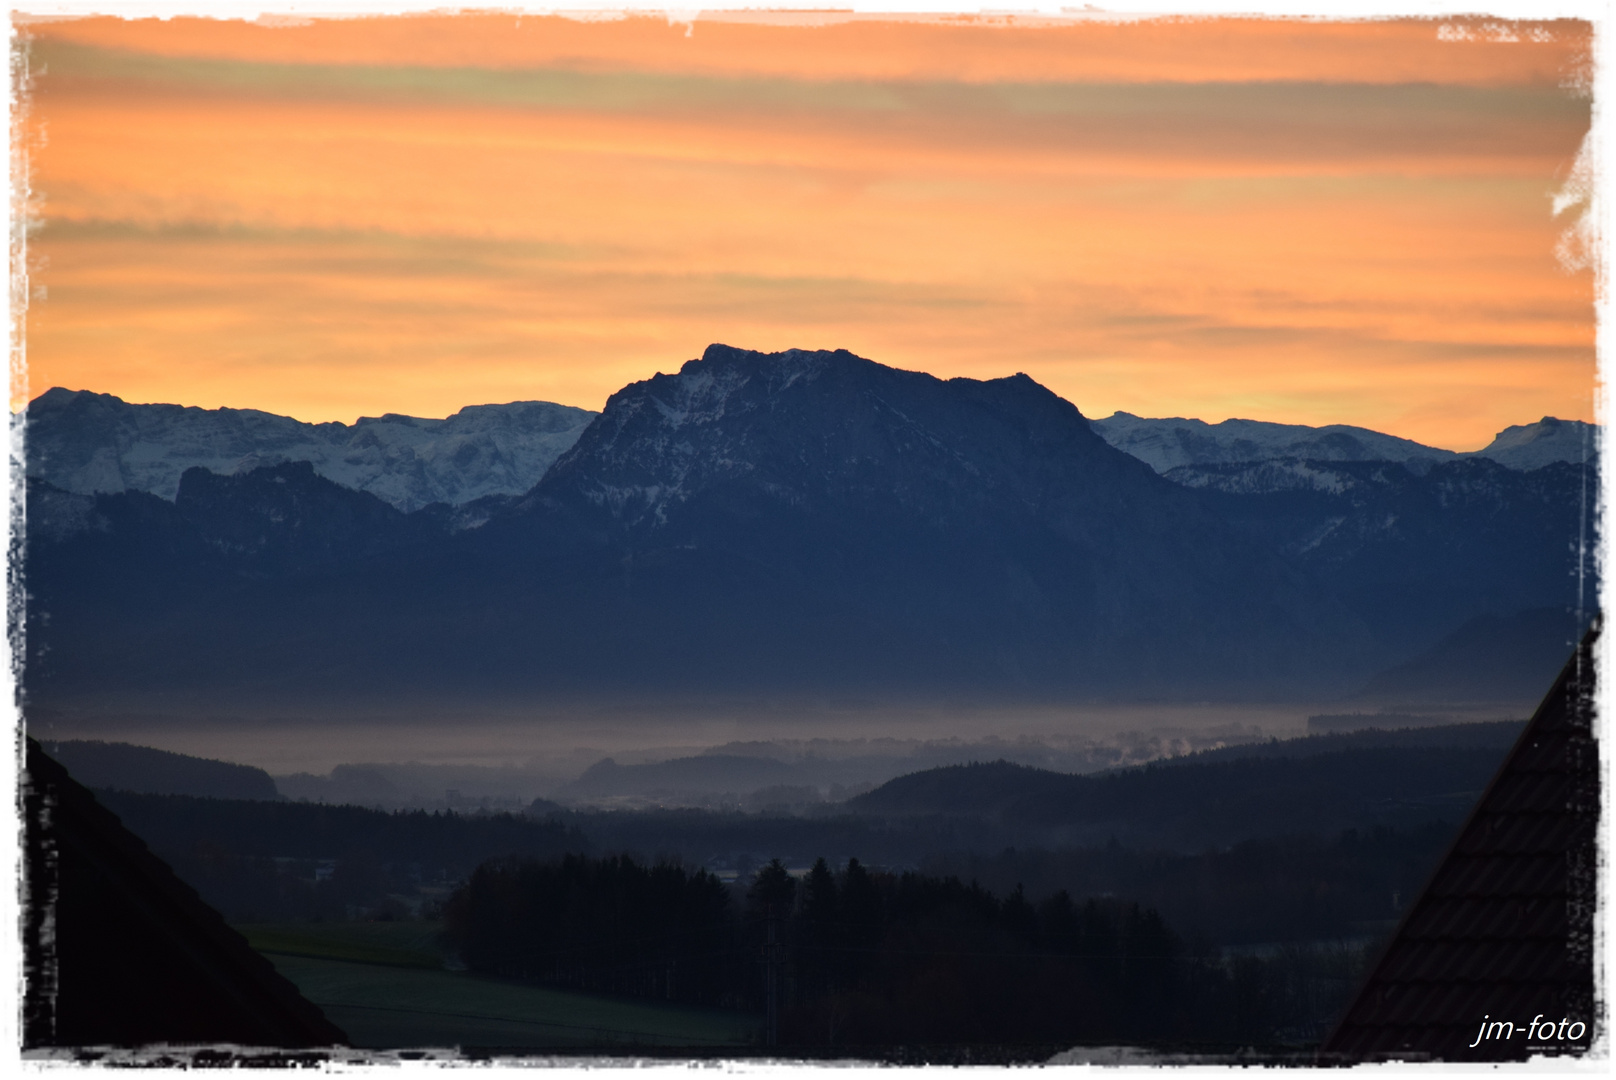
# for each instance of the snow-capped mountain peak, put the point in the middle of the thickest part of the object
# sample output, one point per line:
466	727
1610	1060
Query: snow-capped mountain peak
1170	443
86	442
1532	446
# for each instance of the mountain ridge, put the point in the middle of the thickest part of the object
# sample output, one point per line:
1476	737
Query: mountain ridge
798	522
84	442
1172	443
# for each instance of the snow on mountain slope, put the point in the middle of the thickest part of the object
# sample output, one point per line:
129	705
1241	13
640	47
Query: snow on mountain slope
86	442
1175	442
1169	443
1532	446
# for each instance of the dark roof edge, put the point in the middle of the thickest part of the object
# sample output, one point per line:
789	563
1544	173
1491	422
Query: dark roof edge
1570	675
283	1006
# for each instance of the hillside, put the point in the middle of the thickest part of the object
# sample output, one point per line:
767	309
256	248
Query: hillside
1192	806
158	772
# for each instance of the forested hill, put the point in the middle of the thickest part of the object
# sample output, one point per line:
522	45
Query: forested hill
439	844
257	861
1192	806
1490	736
124	767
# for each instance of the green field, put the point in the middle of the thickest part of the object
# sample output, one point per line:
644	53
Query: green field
384	985
397	944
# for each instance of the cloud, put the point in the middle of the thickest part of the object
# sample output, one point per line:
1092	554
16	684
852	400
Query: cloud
831	46
374	217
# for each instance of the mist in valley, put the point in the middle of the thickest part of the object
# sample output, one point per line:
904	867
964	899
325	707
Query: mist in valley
753	756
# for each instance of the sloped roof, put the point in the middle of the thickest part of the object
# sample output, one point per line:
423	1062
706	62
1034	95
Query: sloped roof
119	952
1503	932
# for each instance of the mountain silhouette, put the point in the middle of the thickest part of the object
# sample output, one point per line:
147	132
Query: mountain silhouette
782	517
798	523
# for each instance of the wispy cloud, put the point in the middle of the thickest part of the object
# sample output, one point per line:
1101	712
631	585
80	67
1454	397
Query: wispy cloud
373	216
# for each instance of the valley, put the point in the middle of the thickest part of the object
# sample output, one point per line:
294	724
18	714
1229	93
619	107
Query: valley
1190	727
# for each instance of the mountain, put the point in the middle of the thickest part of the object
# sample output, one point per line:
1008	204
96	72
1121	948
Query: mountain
777	518
85	443
795	523
1532	446
124	767
274	520
1169	444
1415	555
1490	658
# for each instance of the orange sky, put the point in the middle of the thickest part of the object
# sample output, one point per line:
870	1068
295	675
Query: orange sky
1296	221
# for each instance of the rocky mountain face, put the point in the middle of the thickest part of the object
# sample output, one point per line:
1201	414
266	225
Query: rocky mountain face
794	513
799	522
1174	443
86	443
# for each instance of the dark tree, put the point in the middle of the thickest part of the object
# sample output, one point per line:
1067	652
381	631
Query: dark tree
772	891
603	924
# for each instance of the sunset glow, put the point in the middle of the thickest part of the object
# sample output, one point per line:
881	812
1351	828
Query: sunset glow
1293	221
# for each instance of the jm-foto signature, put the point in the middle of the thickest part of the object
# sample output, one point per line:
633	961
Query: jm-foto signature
1538	1031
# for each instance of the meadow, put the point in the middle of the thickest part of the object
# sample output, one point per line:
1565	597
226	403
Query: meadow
386	985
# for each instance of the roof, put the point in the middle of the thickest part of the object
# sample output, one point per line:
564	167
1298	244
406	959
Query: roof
119	952
1500	942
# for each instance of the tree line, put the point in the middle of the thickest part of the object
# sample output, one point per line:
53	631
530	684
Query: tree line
1287	888
864	957
259	861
